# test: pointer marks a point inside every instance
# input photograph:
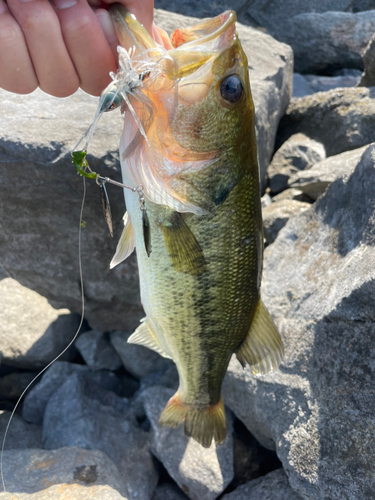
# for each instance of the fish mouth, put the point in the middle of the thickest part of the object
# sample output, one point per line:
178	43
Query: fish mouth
202	40
217	31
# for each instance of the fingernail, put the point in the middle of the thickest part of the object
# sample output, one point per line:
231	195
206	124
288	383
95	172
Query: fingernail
64	4
106	24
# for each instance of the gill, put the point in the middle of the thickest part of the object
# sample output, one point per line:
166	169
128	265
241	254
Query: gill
131	76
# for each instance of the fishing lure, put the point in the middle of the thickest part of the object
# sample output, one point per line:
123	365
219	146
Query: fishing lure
132	74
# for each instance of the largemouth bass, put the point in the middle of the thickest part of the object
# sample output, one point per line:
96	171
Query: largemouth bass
190	148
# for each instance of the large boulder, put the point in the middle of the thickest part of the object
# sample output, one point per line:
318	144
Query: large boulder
324	41
341	119
30	471
314	181
68	492
317	410
299	152
32	332
320	39
81	413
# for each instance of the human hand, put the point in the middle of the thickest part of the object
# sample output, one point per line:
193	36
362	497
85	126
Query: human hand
62	45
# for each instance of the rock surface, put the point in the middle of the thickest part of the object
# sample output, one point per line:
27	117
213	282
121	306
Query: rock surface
340	119
310	84
36	400
327	40
276	215
270	71
368	56
40	185
318	284
29	471
168	491
201	473
32	332
97	351
80	413
21	435
13	384
68	492
272	486
138	360
315	181
299	152
292	194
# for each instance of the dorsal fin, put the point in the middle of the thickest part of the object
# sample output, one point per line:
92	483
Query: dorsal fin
126	243
144	335
263	348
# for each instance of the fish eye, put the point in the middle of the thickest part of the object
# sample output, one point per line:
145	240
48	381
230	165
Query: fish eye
143	76
231	88
111	102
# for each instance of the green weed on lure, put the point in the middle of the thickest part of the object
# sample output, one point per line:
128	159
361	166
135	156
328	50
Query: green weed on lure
110	99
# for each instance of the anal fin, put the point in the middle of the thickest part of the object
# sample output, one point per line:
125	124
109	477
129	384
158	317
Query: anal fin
126	243
144	335
263	348
183	249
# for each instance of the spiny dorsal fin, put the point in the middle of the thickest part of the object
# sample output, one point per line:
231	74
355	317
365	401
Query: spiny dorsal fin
144	335
126	243
183	248
263	348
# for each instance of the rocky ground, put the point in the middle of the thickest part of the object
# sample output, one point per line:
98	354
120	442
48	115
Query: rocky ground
88	427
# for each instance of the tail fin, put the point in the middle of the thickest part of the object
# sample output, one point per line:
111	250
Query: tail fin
200	424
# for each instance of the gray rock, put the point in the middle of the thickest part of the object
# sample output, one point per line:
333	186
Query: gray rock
318	284
32	332
29	471
324	83
168	491
36	400
273	486
201	473
299	152
40	184
326	40
13	384
166	378
276	215
68	492
82	414
368	77
96	350
315	181
266	200
251	459
292	194
20	434
301	24
138	360
340	119
301	86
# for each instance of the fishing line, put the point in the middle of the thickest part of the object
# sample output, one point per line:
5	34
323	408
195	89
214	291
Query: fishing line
66	348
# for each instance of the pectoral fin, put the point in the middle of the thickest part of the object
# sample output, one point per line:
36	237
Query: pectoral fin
126	243
184	250
263	348
144	335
